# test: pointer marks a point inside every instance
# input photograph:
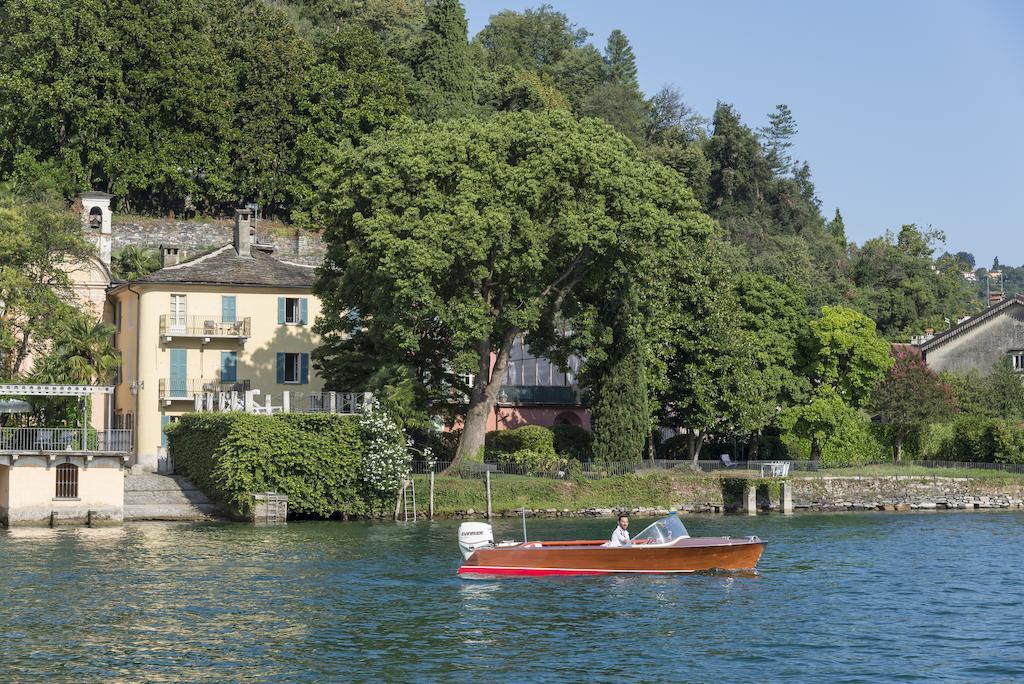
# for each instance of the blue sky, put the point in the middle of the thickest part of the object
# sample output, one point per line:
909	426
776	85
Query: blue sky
909	112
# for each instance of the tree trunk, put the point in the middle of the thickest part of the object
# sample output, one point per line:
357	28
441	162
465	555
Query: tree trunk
815	453
482	399
897	447
696	444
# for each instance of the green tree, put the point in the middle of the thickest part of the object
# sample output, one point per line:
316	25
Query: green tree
911	396
620	105
356	88
133	262
83	354
618	55
711	387
777	138
621	415
544	42
843	357
443	63
536	39
904	289
447	241
37	241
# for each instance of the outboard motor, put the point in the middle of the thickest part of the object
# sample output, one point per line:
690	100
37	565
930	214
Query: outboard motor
473	536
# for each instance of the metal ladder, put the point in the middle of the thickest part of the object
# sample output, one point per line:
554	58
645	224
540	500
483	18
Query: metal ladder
409	499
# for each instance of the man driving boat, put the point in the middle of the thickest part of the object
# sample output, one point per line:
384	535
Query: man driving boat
620	537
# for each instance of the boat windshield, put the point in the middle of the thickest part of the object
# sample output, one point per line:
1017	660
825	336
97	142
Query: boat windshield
662	531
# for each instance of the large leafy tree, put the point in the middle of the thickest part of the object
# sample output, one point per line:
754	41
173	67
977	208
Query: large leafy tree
443	63
904	288
37	241
355	88
843	357
910	397
447	241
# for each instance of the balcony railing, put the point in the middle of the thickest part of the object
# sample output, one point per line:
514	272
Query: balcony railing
21	440
172	389
203	326
539	394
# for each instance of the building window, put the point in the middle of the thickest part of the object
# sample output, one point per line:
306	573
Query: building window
67	481
228	366
292	311
1017	358
292	368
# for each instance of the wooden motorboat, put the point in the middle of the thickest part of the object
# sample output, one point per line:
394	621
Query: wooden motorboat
662	547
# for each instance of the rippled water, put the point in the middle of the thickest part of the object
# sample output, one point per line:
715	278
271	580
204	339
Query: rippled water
850	597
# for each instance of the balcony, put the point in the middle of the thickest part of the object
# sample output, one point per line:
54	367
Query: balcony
203	327
175	389
25	441
538	394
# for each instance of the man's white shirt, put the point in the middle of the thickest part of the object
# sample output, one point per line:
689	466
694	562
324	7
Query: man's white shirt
619	537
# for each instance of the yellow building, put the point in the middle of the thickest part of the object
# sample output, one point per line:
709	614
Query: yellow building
234	320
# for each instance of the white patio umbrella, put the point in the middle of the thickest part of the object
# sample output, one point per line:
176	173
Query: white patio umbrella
15	406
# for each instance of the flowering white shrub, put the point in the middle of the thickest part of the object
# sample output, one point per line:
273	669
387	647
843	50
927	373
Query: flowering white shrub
385	459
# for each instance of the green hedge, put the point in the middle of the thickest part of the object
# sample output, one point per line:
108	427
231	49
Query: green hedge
536	438
313	458
982	439
573	441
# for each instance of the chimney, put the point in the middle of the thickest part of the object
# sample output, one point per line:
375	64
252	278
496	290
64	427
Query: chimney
243	232
168	256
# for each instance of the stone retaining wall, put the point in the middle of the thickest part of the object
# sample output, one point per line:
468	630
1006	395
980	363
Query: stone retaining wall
290	244
905	493
825	494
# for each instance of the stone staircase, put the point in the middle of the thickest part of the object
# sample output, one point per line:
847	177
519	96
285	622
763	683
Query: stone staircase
149	496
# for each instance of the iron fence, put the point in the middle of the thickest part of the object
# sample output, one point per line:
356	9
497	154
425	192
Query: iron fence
27	440
775	468
203	326
327	402
189	388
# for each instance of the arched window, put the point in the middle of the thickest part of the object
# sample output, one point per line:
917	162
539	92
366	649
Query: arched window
95	217
67	481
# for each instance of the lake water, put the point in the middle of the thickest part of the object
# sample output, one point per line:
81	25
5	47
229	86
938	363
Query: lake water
847	598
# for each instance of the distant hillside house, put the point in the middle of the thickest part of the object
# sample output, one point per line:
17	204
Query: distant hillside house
981	341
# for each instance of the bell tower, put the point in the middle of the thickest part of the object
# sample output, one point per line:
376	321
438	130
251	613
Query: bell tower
96	221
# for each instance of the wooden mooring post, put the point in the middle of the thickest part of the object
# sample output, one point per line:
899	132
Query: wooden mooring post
431	494
487	477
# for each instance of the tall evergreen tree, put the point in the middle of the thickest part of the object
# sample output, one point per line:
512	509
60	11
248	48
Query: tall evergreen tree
444	64
618	376
778	138
618	55
837	229
620	415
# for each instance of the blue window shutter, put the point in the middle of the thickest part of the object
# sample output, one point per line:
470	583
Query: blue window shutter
179	371
303	311
280	310
227	308
228	366
164	420
304	368
280	368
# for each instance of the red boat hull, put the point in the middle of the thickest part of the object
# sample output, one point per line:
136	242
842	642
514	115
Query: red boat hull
539	559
